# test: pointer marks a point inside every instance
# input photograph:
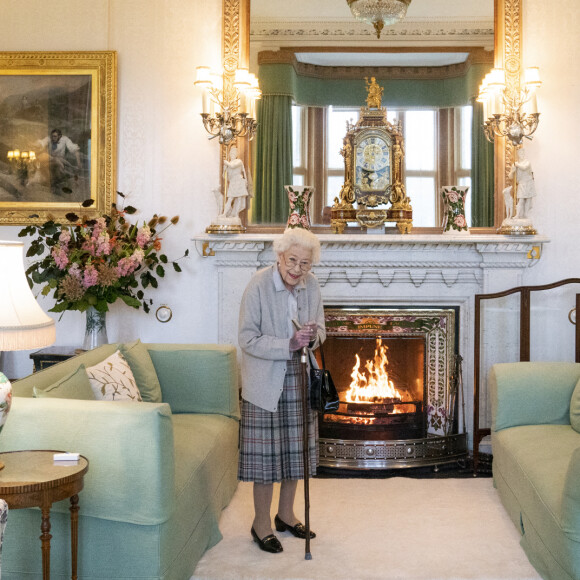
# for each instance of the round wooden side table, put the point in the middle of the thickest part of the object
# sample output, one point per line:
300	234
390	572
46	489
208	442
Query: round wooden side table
34	479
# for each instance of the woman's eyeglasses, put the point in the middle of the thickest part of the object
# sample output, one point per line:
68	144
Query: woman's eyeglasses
292	262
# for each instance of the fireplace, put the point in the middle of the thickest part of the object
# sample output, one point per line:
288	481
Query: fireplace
396	375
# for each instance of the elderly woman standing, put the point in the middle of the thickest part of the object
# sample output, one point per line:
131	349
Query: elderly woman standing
271	440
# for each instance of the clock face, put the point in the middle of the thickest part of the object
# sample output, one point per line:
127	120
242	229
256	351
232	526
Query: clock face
372	163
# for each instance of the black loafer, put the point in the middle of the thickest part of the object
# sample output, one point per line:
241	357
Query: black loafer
269	544
299	530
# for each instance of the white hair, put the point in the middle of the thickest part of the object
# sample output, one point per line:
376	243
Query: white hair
298	237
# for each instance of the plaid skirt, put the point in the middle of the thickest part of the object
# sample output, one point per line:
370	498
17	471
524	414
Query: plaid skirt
271	443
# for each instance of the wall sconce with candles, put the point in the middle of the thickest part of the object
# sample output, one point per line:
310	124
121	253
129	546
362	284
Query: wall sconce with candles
21	160
236	104
510	113
229	112
513	113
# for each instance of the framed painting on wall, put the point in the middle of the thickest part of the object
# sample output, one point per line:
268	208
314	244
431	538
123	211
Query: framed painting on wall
57	134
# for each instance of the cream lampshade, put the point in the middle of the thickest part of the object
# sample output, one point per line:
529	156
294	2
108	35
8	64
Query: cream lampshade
23	323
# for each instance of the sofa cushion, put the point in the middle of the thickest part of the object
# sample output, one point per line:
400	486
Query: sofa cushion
575	408
530	393
137	355
75	385
112	380
198	378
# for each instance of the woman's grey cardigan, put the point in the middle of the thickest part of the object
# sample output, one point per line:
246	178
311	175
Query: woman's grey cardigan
263	328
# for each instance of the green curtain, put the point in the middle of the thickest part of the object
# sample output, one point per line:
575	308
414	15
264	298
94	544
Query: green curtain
482	173
273	168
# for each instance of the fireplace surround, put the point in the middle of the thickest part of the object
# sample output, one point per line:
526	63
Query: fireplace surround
382	271
395	373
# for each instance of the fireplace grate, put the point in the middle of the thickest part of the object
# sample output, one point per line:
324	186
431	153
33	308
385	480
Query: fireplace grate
393	454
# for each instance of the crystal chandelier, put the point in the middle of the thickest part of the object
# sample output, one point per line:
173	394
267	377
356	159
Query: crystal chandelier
379	12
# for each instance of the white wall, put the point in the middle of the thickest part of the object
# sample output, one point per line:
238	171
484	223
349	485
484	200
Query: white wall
167	165
165	162
551	41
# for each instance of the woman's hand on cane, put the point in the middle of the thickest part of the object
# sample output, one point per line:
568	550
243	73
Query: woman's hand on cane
301	338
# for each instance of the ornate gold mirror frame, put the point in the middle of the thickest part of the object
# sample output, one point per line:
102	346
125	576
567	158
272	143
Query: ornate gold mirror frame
507	55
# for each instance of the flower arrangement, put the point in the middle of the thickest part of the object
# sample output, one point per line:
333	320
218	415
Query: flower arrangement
96	261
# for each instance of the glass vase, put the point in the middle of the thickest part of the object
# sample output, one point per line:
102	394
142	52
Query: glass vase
96	329
454	220
299	198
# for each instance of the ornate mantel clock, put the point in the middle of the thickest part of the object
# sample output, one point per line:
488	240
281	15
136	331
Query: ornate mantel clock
373	151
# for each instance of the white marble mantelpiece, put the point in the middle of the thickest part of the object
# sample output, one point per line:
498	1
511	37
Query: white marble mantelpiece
386	270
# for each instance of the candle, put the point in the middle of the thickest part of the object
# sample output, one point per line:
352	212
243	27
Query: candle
533	104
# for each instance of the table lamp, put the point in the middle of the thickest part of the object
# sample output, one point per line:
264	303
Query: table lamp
23	323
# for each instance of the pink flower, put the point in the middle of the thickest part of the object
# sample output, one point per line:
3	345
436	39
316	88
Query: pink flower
103	246
459	221
99	226
60	257
294	219
452	196
143	236
138	256
90	277
129	264
75	271
64	237
304	221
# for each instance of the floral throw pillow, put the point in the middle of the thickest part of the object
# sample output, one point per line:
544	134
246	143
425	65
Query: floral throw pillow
112	380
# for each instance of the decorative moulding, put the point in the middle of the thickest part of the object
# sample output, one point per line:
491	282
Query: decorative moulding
431	30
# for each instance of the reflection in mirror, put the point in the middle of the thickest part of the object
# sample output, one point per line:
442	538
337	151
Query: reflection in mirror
430	67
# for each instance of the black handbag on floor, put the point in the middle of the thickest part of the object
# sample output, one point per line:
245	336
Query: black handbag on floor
323	395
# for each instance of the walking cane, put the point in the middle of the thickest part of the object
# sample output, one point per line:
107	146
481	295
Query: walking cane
305	454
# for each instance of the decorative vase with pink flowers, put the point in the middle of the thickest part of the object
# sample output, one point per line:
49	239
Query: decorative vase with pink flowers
299	198
454	220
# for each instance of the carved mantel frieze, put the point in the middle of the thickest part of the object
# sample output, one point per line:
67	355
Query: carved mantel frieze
386	260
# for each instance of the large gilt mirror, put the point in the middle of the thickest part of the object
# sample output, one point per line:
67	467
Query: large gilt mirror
296	45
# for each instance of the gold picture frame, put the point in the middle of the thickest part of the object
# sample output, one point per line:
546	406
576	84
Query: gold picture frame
58	128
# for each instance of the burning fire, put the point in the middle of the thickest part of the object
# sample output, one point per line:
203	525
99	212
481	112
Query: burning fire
377	387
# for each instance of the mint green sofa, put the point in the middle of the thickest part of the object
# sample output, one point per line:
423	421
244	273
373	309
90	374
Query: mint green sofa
159	473
536	460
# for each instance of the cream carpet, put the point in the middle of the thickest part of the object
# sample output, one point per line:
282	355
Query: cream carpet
396	528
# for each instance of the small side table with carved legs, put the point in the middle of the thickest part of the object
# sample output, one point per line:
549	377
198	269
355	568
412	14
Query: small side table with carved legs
34	479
